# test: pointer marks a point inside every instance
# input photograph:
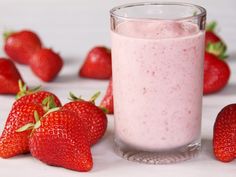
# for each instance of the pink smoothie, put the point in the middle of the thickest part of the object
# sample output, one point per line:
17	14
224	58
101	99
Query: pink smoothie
157	82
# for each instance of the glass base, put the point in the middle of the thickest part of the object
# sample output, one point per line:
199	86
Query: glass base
183	153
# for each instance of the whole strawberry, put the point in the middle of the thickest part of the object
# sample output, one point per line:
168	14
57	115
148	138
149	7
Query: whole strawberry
9	77
214	44
93	118
224	136
107	101
47	99
21	45
60	140
46	64
216	74
97	64
13	143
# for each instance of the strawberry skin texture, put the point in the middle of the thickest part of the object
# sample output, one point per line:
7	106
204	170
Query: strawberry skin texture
224	136
61	141
97	64
20	46
211	37
216	74
37	98
9	77
46	64
93	118
107	101
13	143
215	45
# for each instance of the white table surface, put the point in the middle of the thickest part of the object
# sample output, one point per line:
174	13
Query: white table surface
72	27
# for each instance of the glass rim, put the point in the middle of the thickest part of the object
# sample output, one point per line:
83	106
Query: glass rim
128	5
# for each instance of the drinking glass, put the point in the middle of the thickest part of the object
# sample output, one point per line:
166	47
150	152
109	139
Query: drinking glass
157	69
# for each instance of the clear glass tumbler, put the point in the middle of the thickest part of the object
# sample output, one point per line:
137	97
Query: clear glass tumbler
157	65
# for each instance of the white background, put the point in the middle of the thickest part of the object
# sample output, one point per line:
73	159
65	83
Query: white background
72	27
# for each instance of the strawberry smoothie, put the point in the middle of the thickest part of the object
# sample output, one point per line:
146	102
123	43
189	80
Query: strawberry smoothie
157	83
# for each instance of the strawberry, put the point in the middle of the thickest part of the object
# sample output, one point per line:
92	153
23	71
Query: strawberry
9	77
94	119
59	139
13	143
216	74
21	45
107	101
36	96
224	136
46	64
97	64
214	44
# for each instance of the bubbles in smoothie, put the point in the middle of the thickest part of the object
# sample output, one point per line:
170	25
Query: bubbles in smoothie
158	30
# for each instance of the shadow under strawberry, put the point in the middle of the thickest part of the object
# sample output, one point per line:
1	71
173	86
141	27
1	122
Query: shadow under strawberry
67	78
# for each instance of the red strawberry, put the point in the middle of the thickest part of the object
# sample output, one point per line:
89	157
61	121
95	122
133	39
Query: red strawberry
20	46
36	96
107	101
9	77
13	143
97	64
224	138
94	119
60	140
46	64
214	44
216	74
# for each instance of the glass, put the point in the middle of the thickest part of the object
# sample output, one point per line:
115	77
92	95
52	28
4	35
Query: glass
157	68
